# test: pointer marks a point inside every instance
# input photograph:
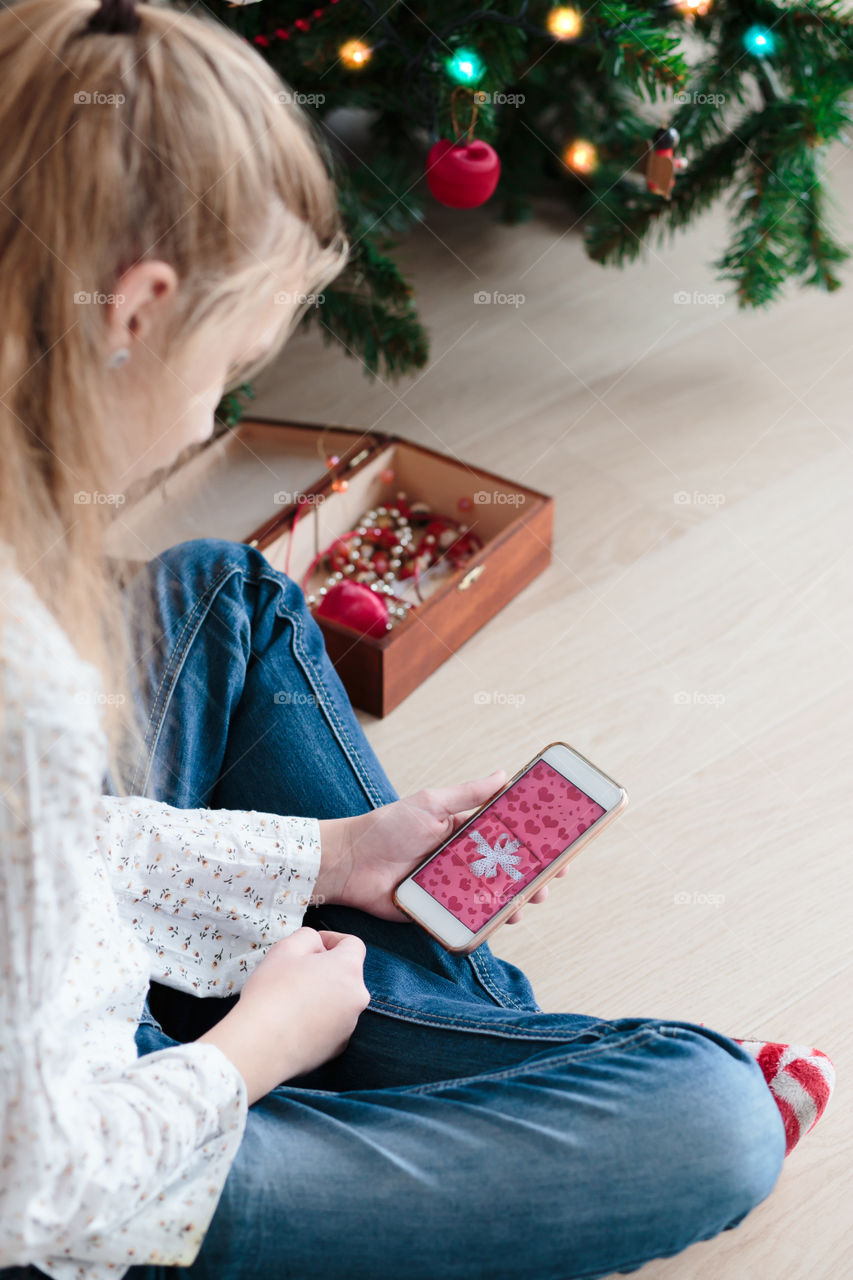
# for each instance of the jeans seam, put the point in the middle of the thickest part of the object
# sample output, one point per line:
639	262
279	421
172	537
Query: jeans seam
174	666
559	1060
505	1073
315	678
176	661
407	1014
502	997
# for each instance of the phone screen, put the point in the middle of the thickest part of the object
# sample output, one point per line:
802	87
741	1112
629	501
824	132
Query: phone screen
508	845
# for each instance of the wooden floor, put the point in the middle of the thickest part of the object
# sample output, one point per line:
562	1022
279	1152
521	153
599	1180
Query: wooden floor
698	650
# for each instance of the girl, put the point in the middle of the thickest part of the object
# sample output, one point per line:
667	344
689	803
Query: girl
313	1084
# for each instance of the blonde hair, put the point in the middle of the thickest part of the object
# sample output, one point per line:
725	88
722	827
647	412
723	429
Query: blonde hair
176	142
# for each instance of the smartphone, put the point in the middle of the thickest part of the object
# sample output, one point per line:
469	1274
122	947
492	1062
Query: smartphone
510	847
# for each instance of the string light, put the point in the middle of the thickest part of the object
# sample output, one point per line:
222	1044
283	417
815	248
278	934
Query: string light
564	23
693	8
581	156
465	67
760	41
354	54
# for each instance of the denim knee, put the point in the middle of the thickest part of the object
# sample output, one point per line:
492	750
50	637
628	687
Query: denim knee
731	1131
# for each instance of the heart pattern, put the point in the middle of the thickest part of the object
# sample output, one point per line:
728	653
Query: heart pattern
542	810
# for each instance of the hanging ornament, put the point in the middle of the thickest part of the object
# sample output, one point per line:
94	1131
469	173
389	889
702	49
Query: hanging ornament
581	156
355	54
564	23
462	175
465	66
661	163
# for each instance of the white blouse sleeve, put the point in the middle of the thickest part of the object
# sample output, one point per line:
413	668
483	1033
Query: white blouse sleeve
106	1158
207	890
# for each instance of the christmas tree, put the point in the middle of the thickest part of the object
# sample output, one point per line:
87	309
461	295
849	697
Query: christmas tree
641	117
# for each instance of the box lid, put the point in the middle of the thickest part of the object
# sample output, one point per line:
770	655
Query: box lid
260	466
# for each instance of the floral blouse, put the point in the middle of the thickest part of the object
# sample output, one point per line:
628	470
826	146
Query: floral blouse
109	1160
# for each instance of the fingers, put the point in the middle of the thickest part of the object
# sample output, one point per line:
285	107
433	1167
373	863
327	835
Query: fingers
470	795
303	939
348	941
539	896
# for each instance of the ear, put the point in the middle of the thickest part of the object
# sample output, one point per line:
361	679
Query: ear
143	296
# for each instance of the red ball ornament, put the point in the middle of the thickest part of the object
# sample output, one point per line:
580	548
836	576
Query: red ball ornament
355	605
462	175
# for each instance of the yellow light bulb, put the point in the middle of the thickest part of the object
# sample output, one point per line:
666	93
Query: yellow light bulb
354	54
581	156
690	8
564	23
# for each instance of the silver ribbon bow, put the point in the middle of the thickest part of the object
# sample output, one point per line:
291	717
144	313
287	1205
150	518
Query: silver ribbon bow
502	857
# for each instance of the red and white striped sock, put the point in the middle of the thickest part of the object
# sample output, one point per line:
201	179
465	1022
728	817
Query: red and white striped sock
801	1080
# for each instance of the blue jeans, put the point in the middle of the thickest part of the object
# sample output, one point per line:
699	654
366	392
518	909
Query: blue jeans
464	1132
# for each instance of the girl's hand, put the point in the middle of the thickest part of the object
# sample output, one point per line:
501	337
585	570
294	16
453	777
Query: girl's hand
369	855
297	1009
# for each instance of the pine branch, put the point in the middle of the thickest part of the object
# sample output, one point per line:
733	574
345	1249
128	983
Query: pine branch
384	337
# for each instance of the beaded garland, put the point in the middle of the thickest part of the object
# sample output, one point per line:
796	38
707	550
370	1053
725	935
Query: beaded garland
393	543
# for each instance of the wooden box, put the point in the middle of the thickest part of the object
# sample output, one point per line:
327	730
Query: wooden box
247	484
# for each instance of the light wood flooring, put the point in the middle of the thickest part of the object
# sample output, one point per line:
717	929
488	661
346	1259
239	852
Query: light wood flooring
699	651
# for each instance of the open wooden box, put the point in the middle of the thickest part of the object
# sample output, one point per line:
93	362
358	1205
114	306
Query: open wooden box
247	484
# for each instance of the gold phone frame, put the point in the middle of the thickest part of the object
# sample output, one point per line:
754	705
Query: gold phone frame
538	881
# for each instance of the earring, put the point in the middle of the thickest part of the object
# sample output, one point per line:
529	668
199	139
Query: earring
118	358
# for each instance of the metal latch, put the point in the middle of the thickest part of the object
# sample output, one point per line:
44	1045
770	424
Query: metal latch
471	576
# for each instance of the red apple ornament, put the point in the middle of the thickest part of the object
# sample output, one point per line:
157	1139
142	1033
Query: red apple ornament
462	175
356	606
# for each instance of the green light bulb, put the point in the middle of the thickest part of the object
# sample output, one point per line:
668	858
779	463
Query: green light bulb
465	67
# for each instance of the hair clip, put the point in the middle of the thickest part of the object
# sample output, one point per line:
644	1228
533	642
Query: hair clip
115	17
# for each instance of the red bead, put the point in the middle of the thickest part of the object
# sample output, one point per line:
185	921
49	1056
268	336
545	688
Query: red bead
318	13
282	34
302	24
262	41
